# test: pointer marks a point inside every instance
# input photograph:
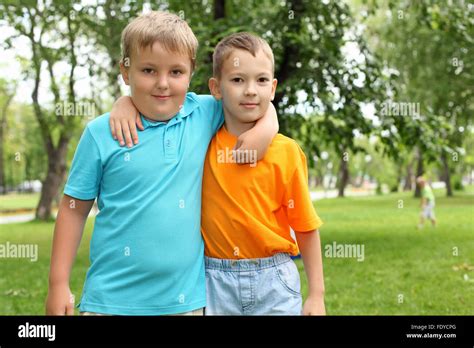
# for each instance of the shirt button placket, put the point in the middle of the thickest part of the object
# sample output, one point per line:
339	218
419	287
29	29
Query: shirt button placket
170	150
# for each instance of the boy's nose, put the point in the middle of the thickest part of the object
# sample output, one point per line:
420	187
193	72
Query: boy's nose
161	82
250	90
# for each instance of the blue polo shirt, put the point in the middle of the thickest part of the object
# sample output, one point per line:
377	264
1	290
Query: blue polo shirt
146	251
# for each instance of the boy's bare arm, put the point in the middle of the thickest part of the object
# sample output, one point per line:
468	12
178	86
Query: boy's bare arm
260	136
310	247
68	231
124	119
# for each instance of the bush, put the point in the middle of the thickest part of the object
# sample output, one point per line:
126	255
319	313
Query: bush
457	185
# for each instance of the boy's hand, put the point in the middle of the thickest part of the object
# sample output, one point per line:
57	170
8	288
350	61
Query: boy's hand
244	147
314	305
60	301
252	145
123	117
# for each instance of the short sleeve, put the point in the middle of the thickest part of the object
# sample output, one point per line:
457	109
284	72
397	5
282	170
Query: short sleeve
86	169
301	214
212	107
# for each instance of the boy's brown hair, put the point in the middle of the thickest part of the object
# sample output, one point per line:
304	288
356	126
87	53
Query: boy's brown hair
157	26
244	41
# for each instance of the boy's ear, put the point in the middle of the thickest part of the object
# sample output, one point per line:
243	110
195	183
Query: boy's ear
214	88
124	72
274	86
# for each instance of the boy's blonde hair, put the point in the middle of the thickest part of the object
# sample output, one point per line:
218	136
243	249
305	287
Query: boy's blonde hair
157	26
420	179
243	41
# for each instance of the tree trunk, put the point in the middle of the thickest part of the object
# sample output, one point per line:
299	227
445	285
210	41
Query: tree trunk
219	9
408	186
419	171
446	175
3	127
343	177
287	66
54	178
399	176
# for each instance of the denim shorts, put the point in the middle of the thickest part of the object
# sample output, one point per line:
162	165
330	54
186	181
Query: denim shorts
266	286
428	210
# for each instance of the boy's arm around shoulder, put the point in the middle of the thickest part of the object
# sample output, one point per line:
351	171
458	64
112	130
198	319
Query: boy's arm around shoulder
260	136
68	231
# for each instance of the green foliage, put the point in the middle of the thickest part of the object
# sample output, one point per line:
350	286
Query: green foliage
332	59
24	156
427	45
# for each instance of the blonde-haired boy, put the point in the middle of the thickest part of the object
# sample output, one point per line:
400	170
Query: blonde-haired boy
146	250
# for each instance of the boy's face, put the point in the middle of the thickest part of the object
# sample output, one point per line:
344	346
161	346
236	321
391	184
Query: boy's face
246	85
158	80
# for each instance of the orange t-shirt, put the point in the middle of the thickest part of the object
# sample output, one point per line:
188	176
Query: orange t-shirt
247	210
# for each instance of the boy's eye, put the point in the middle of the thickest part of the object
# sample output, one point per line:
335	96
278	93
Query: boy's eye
176	72
148	71
237	79
263	79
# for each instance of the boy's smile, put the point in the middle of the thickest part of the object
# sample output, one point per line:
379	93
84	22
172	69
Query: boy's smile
158	80
250	105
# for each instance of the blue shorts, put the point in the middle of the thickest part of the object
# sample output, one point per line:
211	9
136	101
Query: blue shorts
266	286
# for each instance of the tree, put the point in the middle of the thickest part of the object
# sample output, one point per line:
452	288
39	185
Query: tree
425	45
104	22
50	43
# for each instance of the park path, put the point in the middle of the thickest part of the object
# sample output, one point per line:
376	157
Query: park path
315	196
16	218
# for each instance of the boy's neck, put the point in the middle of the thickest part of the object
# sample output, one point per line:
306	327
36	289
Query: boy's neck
235	127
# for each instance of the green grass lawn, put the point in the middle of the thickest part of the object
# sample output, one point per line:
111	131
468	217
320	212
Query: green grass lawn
405	270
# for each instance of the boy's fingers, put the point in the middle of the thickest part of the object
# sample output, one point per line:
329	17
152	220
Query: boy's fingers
118	133
138	121
126	133
112	128
70	310
236	152
238	144
238	157
133	131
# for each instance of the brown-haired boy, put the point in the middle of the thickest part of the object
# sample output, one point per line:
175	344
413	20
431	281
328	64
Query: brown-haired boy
247	211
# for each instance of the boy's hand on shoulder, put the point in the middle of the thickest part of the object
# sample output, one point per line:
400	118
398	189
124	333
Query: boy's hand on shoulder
314	305
124	118
245	149
60	300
